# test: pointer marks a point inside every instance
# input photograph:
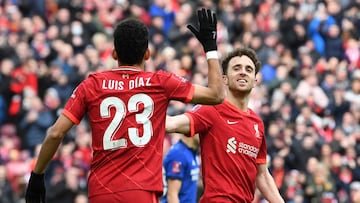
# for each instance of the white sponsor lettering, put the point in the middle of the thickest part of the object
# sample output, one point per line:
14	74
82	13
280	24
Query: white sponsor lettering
243	148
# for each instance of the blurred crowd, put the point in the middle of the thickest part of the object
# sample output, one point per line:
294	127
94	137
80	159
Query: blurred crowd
308	93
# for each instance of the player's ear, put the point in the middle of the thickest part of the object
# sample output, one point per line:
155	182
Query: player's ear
225	79
147	54
257	79
114	54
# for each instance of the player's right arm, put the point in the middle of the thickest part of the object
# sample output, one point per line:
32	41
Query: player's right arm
54	136
178	124
36	191
174	186
207	33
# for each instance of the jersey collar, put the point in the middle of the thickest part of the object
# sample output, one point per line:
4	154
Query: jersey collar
132	68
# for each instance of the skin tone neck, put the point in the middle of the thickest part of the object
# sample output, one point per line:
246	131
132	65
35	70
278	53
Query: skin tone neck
238	99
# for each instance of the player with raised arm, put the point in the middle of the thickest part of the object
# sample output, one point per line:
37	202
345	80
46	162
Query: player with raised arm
232	139
126	107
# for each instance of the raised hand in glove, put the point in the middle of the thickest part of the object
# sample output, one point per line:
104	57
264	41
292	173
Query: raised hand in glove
35	191
207	29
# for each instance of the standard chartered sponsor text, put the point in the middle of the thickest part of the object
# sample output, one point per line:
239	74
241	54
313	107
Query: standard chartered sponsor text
248	149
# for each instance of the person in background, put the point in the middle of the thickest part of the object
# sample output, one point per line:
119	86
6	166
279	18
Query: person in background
126	108
355	192
181	171
232	138
7	193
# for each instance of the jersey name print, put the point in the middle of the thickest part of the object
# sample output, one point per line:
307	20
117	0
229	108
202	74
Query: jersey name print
120	84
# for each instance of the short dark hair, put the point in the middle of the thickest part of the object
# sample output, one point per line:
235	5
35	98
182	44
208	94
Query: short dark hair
240	52
131	39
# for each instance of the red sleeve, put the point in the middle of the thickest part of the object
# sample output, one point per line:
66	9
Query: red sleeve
200	119
75	107
261	158
190	95
70	116
192	129
176	87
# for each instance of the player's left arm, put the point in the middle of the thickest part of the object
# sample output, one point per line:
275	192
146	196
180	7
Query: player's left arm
266	184
174	186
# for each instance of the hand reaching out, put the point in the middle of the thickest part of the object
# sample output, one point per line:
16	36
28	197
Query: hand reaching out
207	29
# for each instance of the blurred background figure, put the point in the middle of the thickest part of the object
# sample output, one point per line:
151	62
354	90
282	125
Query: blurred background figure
355	192
7	193
181	171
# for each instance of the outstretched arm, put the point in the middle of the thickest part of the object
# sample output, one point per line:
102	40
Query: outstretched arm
214	93
178	124
265	183
207	34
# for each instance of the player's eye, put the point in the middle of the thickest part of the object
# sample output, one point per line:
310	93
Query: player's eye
249	69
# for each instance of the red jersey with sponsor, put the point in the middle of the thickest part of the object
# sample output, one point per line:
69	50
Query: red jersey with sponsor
232	143
126	109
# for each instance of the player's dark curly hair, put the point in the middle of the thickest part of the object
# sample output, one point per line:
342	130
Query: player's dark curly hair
131	38
239	52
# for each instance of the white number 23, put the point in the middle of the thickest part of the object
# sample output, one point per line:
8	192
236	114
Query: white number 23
141	118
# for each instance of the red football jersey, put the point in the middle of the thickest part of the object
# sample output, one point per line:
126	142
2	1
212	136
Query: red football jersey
126	109
232	143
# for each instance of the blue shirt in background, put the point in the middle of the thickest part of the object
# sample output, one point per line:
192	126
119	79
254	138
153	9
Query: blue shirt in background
181	162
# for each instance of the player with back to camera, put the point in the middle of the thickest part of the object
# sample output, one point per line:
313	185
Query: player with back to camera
126	107
232	141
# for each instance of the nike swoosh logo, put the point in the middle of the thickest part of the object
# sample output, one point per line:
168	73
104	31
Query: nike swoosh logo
232	122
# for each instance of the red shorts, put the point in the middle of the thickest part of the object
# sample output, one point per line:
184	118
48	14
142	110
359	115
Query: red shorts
126	197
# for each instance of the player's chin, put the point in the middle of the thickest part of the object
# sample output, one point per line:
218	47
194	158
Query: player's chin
244	88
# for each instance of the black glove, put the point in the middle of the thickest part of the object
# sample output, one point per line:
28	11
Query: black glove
207	31
35	192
